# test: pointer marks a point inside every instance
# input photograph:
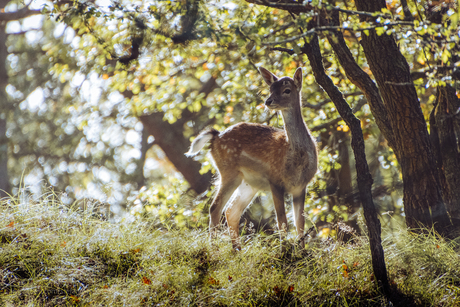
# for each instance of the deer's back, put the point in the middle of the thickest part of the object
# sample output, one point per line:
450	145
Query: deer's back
257	151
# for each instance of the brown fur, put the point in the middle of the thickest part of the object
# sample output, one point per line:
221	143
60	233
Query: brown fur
251	157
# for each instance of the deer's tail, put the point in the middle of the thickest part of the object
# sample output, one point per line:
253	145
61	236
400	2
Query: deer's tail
201	140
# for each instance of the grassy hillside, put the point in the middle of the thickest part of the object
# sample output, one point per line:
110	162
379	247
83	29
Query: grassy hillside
52	255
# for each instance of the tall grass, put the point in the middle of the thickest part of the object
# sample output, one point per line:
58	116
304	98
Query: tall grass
52	255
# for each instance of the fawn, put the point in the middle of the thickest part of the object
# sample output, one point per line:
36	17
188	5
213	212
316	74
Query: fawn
251	157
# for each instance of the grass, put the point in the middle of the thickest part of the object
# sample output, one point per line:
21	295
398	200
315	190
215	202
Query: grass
52	255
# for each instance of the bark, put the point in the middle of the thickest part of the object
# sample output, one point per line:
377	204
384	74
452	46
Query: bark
345	192
445	133
140	178
362	80
4	182
339	188
312	50
423	203
171	139
4	179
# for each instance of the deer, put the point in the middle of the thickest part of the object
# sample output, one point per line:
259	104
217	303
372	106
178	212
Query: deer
250	157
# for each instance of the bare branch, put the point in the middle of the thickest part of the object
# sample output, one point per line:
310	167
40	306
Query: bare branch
287	5
287	50
19	14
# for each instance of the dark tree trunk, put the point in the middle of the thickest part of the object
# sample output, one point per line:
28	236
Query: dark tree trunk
339	186
145	146
170	138
445	135
312	50
4	179
345	192
423	203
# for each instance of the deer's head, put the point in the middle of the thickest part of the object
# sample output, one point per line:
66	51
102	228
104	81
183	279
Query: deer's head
284	92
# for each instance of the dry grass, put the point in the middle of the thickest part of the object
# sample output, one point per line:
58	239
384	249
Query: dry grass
54	255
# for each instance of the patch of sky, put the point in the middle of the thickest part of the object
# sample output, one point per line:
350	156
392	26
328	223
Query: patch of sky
34	101
133	137
77	79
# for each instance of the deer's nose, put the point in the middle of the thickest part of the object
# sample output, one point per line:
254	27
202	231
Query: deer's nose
268	102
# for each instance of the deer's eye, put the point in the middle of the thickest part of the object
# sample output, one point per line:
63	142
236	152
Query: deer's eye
287	91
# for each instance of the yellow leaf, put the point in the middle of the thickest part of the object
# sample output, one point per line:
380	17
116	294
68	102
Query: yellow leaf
105	76
345	129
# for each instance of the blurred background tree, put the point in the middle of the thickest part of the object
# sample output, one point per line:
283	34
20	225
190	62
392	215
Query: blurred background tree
102	98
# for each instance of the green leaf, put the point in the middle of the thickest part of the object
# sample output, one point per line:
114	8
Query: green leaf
380	30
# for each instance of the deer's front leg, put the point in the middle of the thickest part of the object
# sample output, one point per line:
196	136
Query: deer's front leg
278	200
299	218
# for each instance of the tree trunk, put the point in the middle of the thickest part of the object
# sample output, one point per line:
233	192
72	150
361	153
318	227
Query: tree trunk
4	179
445	134
345	192
170	138
423	203
312	50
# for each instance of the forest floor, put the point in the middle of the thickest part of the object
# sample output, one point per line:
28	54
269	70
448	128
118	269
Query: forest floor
53	255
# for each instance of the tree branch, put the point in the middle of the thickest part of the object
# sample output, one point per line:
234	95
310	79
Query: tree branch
19	14
338	29
362	80
320	104
287	5
313	52
333	122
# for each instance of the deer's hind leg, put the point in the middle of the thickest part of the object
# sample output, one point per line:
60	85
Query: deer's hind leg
229	181
241	199
299	217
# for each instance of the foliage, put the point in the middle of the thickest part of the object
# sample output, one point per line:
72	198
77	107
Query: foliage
52	254
166	205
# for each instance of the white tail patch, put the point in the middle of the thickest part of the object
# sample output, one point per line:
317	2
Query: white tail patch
199	143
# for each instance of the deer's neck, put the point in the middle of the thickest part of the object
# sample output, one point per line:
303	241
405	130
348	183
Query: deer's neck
298	135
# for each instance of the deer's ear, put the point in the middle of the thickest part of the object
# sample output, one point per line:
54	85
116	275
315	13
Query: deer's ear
268	76
298	78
